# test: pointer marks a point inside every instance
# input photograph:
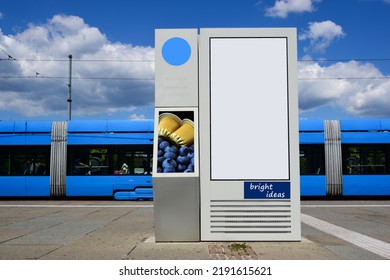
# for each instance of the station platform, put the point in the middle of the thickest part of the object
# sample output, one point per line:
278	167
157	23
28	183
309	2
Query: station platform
124	230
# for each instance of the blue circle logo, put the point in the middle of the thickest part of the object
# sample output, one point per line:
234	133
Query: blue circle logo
176	51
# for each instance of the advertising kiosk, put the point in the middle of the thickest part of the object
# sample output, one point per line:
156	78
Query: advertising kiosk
240	94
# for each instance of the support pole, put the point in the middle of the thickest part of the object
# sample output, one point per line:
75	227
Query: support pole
70	89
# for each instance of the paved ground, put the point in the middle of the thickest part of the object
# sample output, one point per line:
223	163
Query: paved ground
90	229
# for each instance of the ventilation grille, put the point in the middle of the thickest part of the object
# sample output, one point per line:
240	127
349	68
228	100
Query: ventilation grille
243	216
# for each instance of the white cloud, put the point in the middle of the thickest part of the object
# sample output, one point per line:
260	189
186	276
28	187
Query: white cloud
355	88
282	8
136	117
127	71
321	35
47	47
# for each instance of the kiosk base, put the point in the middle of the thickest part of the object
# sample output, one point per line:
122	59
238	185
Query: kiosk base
176	209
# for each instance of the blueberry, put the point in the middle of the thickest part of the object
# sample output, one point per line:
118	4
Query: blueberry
184	151
181	167
190	167
163	145
172	149
169	169
160	160
183	160
169	163
170	155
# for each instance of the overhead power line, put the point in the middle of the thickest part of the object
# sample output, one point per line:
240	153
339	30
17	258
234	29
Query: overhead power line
345	78
36	73
153	60
60	79
344	59
10	58
80	78
81	60
152	79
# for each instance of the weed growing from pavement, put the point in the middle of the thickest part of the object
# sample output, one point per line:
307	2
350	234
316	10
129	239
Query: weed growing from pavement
237	246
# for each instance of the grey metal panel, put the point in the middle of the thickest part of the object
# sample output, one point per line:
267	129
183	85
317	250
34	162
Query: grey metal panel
333	163
58	156
176	196
176	209
176	86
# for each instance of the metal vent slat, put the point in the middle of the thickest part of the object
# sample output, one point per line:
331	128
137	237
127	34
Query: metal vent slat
250	216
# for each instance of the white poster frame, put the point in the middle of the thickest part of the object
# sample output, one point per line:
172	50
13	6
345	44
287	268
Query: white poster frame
231	196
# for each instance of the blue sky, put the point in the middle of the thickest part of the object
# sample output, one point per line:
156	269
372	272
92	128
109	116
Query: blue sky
343	52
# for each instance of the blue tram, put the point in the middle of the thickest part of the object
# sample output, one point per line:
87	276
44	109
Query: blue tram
76	158
346	158
342	158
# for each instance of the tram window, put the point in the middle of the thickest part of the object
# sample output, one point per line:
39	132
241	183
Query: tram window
366	159
24	160
312	159
110	160
86	160
137	160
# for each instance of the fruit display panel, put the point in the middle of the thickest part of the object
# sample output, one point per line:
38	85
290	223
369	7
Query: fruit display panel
176	150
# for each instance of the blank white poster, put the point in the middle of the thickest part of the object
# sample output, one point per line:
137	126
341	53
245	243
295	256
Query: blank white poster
249	108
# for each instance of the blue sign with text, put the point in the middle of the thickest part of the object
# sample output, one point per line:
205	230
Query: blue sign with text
266	190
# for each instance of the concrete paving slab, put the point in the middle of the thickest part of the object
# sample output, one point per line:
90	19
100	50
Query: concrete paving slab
122	231
7	234
44	221
90	251
353	253
61	234
170	251
25	252
303	250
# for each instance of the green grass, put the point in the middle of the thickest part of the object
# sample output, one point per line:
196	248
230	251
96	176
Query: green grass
237	246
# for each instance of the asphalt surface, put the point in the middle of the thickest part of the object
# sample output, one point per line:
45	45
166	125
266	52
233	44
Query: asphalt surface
117	230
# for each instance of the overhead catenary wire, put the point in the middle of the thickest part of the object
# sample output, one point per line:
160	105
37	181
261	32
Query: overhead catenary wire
82	60
153	60
81	78
37	74
345	78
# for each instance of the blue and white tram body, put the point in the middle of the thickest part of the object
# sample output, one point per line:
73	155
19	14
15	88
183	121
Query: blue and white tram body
19	141
76	158
312	158
346	158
